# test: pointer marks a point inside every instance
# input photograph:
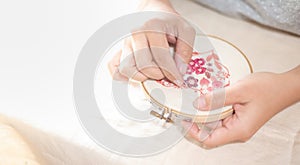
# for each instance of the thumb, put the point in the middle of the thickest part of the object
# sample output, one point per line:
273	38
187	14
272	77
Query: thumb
218	98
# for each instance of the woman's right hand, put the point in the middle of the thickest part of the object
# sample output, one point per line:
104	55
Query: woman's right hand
146	53
255	99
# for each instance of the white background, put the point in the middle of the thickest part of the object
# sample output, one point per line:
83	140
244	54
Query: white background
39	45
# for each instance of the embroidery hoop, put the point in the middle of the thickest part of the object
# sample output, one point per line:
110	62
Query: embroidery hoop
170	114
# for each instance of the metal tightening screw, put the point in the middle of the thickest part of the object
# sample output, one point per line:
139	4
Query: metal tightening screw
168	120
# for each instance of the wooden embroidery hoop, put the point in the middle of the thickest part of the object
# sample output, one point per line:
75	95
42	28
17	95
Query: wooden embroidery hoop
168	114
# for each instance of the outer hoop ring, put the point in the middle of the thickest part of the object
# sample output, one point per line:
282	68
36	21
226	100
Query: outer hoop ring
200	118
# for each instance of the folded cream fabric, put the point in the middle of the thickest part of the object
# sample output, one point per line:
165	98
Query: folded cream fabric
14	150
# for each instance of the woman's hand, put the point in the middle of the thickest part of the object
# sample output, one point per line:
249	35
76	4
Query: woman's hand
146	53
255	100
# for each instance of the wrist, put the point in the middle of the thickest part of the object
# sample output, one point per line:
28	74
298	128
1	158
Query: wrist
291	84
156	5
294	75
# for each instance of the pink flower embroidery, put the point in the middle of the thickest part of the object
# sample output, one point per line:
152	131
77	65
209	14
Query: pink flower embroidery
222	75
204	73
191	82
200	61
196	65
204	82
212	56
209	89
200	70
207	74
217	84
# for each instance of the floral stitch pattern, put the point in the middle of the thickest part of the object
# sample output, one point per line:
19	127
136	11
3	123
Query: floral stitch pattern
196	65
205	73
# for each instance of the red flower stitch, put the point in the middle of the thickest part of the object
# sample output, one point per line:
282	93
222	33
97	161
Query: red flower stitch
200	70
207	74
196	65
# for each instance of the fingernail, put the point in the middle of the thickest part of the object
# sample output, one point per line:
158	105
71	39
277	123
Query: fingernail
181	65
200	102
182	68
179	83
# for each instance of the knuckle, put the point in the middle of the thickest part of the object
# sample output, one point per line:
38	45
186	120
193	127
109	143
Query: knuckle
153	24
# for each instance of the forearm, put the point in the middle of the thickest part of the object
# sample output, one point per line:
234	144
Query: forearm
291	86
156	5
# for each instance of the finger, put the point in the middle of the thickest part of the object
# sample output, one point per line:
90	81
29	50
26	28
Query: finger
128	69
143	58
184	49
201	132
127	66
171	38
113	65
231	131
160	51
217	137
219	98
